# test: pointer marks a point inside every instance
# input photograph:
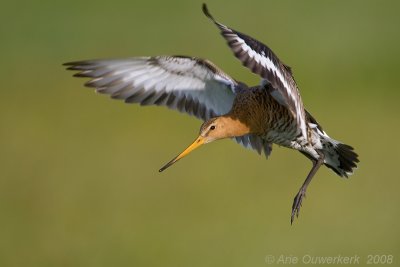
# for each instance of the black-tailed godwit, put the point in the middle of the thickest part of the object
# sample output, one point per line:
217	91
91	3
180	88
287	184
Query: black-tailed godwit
255	117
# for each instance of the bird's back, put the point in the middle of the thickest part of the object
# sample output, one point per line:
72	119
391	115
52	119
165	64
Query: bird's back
265	116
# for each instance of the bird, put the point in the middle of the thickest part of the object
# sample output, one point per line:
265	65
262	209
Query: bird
254	116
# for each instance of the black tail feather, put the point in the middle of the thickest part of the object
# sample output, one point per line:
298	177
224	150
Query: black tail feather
346	160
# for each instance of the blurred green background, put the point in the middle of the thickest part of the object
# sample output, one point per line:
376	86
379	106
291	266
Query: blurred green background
79	181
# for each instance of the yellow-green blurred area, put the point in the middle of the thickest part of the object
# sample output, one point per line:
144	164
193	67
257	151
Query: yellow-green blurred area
79	181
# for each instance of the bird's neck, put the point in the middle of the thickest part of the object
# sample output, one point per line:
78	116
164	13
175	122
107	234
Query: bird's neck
234	126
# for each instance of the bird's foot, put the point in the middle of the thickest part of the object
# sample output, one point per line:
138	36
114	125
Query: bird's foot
298	199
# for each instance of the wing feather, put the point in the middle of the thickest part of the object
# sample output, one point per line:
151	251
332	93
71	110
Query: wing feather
256	143
261	60
188	84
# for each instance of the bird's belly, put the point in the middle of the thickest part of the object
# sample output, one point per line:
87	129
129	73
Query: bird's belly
283	134
291	137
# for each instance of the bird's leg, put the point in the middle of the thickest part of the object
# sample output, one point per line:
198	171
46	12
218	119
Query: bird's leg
302	192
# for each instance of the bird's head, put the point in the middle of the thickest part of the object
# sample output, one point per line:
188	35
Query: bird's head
211	130
214	129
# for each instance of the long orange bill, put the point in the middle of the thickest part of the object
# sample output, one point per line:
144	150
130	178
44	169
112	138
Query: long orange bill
198	142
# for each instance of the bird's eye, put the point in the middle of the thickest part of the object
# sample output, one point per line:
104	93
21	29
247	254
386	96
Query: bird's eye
212	127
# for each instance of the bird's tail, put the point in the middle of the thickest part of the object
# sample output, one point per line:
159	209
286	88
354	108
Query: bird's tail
339	157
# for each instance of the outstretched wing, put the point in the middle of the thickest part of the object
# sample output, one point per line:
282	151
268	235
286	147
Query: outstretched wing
261	60
187	84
